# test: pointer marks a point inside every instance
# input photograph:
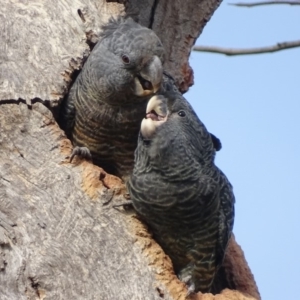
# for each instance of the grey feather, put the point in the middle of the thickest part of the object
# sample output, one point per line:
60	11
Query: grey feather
180	193
107	101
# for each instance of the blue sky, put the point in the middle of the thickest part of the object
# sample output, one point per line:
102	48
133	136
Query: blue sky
252	103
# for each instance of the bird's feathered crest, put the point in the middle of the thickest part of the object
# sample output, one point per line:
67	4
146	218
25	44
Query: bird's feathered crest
113	24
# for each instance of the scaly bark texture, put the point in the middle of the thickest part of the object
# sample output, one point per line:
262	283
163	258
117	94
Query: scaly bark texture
60	238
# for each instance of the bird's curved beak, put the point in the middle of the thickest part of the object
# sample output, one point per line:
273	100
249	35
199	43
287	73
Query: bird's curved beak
156	115
150	77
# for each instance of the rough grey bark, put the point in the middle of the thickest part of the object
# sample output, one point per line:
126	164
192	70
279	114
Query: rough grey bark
55	240
60	238
42	42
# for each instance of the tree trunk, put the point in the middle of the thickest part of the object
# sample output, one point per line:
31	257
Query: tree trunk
60	238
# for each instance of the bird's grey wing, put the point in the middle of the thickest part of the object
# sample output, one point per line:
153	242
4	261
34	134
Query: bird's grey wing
85	77
226	217
84	90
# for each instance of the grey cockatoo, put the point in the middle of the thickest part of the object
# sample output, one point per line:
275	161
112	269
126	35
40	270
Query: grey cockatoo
179	192
106	104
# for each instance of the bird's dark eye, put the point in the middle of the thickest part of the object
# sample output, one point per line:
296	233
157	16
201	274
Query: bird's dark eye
125	59
181	113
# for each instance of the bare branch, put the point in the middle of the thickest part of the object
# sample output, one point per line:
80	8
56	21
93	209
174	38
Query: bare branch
230	51
252	4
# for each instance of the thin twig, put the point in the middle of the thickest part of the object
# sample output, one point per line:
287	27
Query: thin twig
251	4
229	51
